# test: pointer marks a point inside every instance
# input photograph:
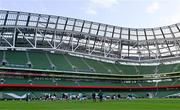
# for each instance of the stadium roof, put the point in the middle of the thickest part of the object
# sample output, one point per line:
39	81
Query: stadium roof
21	30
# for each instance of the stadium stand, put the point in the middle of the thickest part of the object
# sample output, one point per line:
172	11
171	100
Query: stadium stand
58	54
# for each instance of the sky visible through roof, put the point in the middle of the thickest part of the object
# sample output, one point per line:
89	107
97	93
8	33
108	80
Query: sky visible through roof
124	13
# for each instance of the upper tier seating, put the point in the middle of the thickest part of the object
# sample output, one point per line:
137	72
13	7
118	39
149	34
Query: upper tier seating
64	62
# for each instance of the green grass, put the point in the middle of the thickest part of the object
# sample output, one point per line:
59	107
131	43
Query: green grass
145	104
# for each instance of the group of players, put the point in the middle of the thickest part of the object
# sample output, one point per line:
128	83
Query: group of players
65	96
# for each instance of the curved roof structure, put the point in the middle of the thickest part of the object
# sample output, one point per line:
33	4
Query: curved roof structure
21	30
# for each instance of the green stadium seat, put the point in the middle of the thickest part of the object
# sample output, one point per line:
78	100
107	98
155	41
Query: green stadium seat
18	58
60	62
39	60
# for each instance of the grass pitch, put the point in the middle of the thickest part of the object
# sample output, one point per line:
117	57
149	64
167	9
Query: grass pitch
138	104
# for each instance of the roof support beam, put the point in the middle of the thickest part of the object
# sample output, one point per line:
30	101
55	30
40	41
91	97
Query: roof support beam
175	41
166	42
147	43
157	45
